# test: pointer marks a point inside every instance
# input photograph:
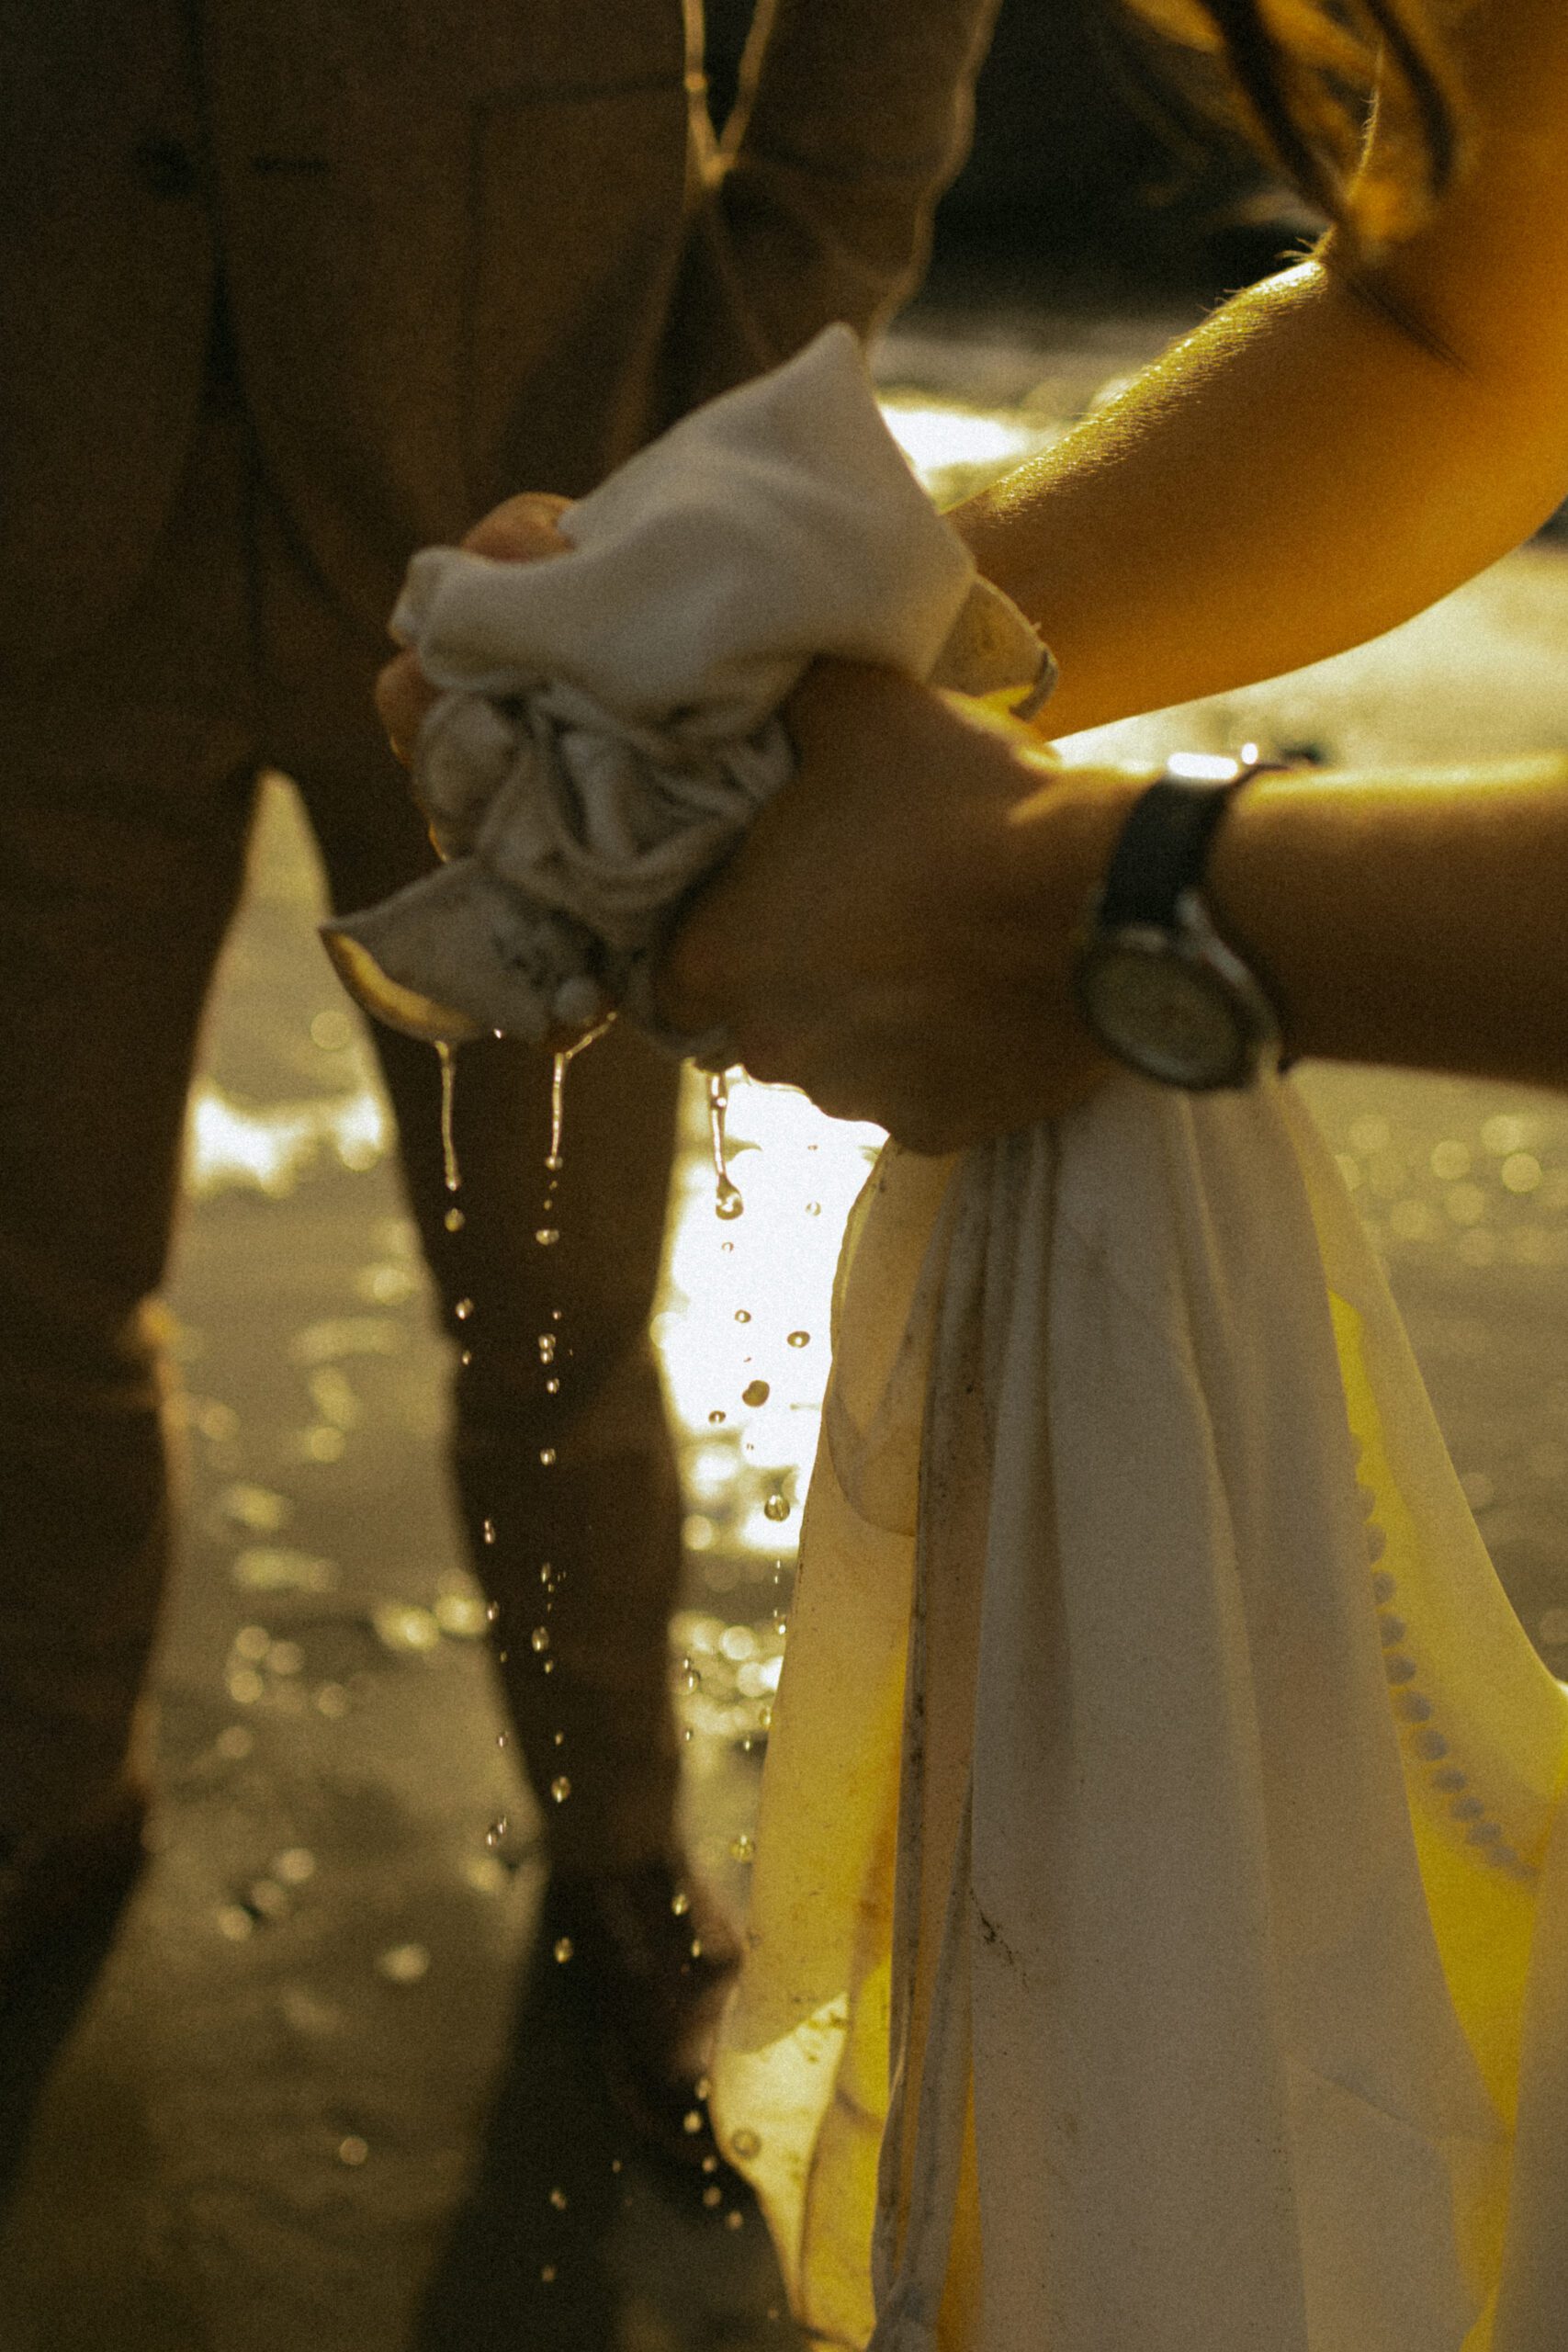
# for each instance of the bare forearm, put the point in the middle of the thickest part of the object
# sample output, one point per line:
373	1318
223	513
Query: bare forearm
1331	450
1420	920
819	206
1298	475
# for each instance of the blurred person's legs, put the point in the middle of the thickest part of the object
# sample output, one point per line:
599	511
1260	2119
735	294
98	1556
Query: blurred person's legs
126	785
125	797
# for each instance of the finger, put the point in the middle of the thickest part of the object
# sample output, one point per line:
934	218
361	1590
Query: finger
403	695
522	530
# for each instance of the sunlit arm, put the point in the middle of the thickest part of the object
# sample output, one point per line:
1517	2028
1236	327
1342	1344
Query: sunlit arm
1416	919
897	935
817	203
1331	450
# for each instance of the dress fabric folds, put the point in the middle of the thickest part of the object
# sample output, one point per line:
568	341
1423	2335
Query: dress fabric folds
1159	1937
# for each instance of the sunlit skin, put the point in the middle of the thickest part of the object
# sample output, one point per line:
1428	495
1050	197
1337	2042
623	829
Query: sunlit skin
1327	455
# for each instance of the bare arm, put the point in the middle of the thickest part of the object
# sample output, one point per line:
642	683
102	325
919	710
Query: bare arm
896	936
854	116
1331	450
1413	918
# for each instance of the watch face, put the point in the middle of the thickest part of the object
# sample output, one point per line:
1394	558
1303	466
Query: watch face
1169	1017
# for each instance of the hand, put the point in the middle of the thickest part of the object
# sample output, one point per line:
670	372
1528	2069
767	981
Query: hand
894	935
521	530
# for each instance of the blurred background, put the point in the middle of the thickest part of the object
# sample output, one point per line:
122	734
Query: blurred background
326	2090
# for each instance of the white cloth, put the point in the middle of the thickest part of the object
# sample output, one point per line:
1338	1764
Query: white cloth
609	725
1221	1814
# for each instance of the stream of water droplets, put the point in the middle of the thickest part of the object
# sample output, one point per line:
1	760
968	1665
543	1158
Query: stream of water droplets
728	1203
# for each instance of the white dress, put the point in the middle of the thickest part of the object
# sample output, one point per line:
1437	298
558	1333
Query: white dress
1156	1873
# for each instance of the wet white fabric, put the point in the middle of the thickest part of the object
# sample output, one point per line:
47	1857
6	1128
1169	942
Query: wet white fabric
1159	1806
609	725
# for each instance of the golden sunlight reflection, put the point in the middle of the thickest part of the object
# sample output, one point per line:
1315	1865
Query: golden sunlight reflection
742	1326
935	436
266	1148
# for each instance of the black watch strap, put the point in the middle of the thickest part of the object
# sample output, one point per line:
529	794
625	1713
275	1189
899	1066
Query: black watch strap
1164	847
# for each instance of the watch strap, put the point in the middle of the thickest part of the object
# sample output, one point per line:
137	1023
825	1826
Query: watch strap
1164	847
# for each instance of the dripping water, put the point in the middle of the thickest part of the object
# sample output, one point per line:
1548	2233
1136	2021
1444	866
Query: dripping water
728	1203
561	1064
451	1173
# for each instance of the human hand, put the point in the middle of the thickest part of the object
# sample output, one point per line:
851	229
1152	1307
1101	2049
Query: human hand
894	935
520	530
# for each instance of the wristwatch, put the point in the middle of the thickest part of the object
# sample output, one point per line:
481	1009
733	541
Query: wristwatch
1154	980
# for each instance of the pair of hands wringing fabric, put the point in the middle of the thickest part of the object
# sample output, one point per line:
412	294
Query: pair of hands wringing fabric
893	935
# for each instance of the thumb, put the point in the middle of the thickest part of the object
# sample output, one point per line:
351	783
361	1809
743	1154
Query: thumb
522	529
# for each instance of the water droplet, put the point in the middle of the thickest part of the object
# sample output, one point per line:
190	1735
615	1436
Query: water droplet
546	1347
540	1637
549	1665
552	1387
502	1739
743	1848
453	1220
555	1314
776	1507
546	1455
756	1391
713	2195
547	1235
353	2150
463	1309
691	2121
680	1903
696	1947
800	1339
495	1833
742	1315
492	1608
745	2142
734	2220
717	1416
710	2163
560	1788
557	2198
465	1358
559	1739
813	1208
547	2273
730	1204
563	1947
727	1248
